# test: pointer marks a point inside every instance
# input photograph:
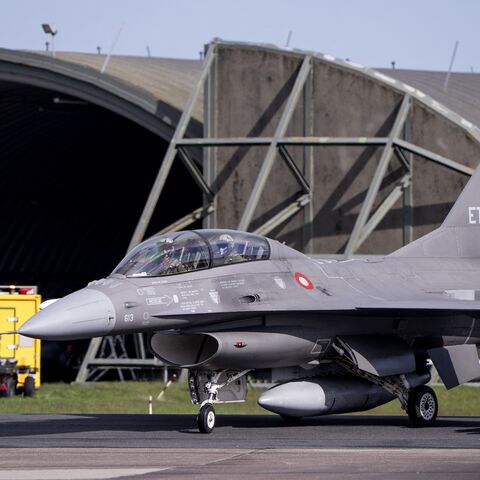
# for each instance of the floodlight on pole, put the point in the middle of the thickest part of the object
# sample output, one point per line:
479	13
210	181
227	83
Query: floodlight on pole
50	29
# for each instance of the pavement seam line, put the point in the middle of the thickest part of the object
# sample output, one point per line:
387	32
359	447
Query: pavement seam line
236	455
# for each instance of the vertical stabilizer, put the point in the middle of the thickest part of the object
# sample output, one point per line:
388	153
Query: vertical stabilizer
459	234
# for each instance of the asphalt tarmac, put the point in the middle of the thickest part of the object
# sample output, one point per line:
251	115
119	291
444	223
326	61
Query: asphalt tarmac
41	447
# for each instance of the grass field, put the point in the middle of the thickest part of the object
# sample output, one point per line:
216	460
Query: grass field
132	397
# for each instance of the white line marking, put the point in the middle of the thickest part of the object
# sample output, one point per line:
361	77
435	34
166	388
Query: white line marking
75	474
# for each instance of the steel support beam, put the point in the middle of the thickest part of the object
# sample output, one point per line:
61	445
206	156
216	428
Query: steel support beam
335	141
139	345
126	362
402	158
407	160
292	166
272	149
308	158
92	351
171	152
195	173
428	155
266	141
384	208
353	241
284	215
209	130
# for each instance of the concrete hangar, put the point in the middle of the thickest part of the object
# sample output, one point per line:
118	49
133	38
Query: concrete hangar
327	155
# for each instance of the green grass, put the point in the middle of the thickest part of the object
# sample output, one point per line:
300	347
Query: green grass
132	397
115	397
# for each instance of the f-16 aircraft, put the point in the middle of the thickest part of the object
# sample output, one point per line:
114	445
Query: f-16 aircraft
333	336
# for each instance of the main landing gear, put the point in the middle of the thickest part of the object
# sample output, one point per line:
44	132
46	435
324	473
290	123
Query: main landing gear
422	406
204	390
418	400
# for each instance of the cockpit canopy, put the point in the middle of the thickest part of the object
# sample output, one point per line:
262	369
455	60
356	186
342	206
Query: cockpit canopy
182	252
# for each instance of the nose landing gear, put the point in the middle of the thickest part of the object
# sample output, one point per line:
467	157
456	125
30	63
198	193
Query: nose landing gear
208	387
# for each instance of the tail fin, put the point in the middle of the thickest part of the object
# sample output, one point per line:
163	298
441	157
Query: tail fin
459	234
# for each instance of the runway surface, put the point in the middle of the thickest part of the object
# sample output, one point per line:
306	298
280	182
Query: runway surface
40	447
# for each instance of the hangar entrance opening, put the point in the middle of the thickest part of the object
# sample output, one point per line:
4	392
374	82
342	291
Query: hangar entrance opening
75	180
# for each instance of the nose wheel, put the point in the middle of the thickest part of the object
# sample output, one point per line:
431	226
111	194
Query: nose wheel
206	419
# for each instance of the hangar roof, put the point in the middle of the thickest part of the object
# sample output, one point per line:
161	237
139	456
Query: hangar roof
170	80
462	95
167	79
150	92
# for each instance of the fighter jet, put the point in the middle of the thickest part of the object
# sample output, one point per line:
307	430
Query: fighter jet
332	336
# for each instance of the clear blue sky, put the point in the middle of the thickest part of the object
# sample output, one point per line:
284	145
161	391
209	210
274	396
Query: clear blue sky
417	34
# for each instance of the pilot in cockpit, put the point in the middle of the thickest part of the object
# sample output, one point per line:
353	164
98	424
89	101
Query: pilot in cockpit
227	250
169	264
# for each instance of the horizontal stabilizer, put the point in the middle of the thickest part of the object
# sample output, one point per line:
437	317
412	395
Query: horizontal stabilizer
456	364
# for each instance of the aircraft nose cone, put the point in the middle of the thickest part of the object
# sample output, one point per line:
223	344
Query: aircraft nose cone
84	314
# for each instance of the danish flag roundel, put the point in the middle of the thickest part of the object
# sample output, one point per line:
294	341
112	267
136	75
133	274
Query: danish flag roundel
303	281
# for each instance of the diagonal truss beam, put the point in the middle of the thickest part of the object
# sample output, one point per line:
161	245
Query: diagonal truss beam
294	169
402	157
284	215
384	208
273	147
195	173
422	152
353	241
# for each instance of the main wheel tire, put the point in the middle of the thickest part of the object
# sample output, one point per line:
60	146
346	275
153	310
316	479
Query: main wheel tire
422	406
206	419
29	387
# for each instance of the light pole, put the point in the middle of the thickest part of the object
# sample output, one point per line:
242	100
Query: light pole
50	30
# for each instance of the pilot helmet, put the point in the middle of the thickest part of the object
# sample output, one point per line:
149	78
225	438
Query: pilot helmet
225	244
168	247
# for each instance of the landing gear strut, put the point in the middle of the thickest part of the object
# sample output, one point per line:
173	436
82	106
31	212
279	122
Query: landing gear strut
420	402
204	390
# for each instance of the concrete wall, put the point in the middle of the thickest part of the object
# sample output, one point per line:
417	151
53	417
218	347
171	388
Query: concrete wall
252	87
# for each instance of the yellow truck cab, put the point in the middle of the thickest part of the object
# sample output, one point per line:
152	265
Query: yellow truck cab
19	355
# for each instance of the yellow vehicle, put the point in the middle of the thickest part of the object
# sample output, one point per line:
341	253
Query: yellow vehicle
19	355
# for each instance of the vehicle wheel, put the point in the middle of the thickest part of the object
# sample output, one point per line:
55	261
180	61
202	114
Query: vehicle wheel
10	386
29	387
206	419
422	406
